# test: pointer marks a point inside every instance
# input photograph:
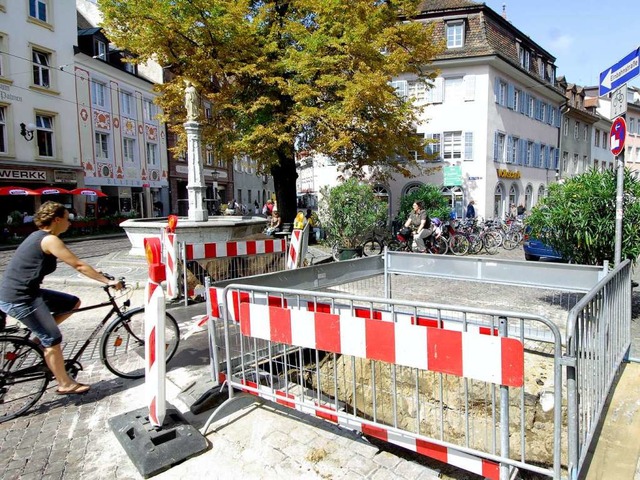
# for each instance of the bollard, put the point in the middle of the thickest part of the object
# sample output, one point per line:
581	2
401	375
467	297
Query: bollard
155	362
171	255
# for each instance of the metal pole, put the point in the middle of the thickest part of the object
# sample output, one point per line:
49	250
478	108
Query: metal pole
619	197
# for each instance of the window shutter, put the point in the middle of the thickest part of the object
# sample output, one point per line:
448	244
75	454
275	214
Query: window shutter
558	117
437	92
556	160
468	145
509	148
523	102
496	90
495	147
469	88
510	95
536	155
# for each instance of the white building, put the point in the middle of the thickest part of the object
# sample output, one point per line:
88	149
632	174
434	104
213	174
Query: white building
494	112
37	90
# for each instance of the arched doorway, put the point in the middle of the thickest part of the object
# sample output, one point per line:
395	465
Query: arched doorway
513	195
528	197
542	192
455	198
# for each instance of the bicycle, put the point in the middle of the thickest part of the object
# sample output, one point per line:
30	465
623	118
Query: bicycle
24	375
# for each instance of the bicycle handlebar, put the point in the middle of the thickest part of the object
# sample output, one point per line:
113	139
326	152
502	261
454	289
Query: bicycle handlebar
111	277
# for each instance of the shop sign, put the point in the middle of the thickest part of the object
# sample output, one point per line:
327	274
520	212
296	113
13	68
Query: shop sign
504	173
5	93
64	176
35	175
453	176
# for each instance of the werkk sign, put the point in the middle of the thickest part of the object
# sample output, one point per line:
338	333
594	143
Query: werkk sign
504	173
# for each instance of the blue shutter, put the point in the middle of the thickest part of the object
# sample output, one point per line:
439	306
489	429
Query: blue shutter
510	95
509	148
523	103
536	154
496	90
495	147
556	160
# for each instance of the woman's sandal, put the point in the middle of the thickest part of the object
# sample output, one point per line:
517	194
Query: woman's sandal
77	389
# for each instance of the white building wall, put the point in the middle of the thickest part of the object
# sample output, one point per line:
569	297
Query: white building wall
23	100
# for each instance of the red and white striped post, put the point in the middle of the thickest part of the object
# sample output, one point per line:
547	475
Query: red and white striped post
171	257
155	363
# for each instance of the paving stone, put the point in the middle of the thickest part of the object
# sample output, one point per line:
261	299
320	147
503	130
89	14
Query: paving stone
386	459
359	464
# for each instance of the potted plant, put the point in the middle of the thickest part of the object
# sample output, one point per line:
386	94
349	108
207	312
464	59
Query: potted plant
349	212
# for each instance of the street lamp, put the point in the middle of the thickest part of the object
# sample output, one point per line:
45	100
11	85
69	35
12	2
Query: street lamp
27	131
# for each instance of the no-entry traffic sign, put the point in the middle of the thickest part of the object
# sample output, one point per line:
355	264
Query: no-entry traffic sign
618	135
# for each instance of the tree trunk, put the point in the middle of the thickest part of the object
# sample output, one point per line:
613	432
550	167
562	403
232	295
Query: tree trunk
284	180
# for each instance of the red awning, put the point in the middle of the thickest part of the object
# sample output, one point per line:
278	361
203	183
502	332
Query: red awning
17	191
88	192
52	191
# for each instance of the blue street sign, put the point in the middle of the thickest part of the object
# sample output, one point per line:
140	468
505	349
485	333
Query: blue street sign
620	73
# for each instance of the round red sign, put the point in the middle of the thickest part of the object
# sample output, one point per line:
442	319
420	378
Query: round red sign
618	135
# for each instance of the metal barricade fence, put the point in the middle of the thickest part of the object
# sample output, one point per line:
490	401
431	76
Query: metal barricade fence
281	343
387	368
598	340
228	260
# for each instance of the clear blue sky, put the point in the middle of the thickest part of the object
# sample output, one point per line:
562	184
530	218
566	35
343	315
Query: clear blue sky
586	36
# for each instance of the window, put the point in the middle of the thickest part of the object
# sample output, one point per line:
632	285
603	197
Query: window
3	48
531	107
40	68
149	110
400	87
127	104
540	162
565	162
129	149
38	9
98	93
501	93
512	149
517	99
416	90
523	57
452	145
44	134
468	145
565	127
596	138
543	112
152	153
455	34
585	133
541	192
604	140
498	147
632	125
3	130
453	89
209	155
101	50
102	145
576	130
529	159
129	67
432	149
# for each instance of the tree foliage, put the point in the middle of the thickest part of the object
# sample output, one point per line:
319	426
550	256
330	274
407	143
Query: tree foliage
434	203
577	218
350	212
286	76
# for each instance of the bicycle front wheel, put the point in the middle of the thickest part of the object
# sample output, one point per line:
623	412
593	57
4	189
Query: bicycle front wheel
371	248
122	344
23	376
459	244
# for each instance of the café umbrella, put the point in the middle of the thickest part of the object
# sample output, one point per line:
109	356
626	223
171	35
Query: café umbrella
90	192
17	191
52	191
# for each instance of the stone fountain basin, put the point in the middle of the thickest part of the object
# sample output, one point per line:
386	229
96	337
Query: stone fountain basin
215	229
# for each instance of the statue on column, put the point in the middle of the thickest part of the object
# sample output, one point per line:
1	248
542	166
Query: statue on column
191	102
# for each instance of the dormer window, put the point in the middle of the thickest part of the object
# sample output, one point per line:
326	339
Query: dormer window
523	57
455	33
101	50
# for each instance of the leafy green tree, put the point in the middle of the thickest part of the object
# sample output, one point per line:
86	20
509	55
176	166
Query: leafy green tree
350	211
287	76
577	218
434	203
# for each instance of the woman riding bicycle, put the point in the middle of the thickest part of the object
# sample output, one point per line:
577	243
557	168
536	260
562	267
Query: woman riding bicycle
39	309
420	223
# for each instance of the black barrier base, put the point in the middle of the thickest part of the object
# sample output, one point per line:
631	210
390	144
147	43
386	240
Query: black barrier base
154	450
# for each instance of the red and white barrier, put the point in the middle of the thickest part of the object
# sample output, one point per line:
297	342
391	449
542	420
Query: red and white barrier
154	325
196	251
487	358
171	264
297	247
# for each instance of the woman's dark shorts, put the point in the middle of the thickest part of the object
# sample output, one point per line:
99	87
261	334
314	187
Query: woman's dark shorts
38	315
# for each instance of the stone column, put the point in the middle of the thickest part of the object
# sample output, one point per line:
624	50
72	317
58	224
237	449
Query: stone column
195	183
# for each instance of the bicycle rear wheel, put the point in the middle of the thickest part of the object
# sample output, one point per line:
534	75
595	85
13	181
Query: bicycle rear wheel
371	248
122	345
491	242
459	244
23	376
511	240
